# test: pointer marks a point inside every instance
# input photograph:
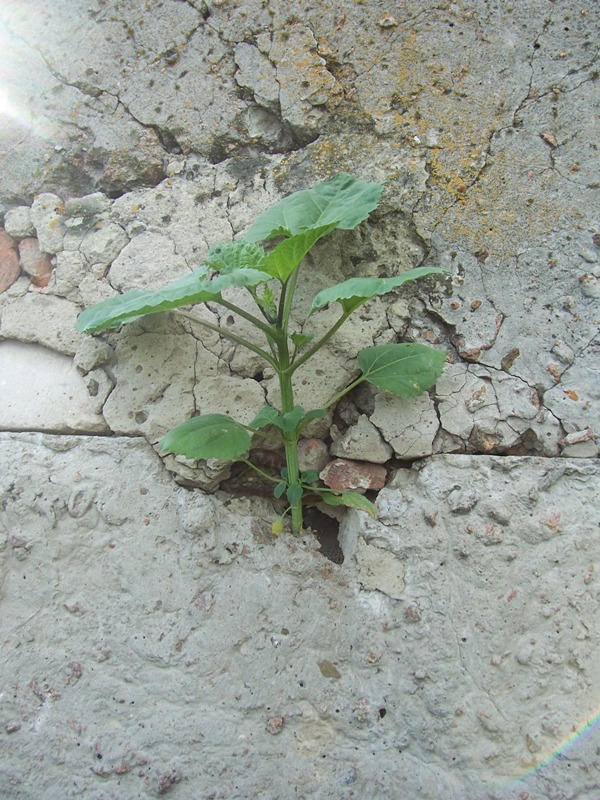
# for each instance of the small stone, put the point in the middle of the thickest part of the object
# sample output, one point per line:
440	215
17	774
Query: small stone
9	261
363	442
550	139
274	725
588	255
590	285
47	215
577	437
361	710
379	570
462	500
36	264
166	781
387	21
17	222
312	454
88	206
12	727
344	475
329	670
103	245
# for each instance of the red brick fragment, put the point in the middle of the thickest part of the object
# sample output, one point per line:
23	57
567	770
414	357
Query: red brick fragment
35	263
342	474
9	261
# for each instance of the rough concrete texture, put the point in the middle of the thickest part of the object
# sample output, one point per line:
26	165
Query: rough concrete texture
153	634
132	138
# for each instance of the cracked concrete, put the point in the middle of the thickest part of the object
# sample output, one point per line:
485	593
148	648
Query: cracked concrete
131	140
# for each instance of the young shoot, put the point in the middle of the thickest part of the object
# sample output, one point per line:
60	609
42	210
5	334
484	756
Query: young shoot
266	262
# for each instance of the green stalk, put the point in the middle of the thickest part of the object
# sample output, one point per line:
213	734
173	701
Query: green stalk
349	388
228	335
258	323
290	438
318	345
290	442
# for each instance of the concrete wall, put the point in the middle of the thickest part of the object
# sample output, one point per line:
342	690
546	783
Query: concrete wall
155	637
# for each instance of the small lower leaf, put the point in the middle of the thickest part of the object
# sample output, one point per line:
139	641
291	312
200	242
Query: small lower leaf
290	420
309	476
351	500
266	416
279	489
207	436
300	339
294	493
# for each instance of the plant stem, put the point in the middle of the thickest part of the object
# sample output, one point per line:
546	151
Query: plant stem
260	472
349	388
290	438
318	345
258	323
228	335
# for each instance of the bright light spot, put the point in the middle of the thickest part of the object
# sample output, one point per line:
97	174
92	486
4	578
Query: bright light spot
7	109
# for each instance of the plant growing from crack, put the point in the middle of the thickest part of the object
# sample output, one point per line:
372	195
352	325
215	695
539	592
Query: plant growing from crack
270	275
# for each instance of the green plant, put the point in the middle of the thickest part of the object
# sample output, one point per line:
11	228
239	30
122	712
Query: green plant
270	276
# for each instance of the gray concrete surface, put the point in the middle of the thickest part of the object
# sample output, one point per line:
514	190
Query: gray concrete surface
144	650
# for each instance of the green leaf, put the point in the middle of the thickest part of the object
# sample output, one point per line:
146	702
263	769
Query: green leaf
192	288
351	500
290	420
283	260
208	436
344	200
266	301
309	476
266	416
234	255
294	493
406	370
300	339
354	292
279	489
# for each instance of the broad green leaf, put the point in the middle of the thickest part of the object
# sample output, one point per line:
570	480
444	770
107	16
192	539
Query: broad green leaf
406	370
192	288
266	416
350	499
283	260
294	493
354	292
234	255
208	436
343	200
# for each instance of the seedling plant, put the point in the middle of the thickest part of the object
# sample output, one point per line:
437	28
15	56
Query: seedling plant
270	272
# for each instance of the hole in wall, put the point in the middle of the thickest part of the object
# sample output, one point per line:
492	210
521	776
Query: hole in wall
326	530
